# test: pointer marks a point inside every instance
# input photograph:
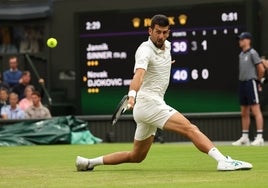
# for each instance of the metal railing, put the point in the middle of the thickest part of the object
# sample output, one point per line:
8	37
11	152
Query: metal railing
38	77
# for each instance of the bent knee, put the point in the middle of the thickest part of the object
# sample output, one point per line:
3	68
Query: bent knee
137	158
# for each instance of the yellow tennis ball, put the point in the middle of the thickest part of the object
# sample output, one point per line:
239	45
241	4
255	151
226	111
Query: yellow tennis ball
52	42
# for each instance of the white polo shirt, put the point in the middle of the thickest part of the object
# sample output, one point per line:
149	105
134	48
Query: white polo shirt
157	64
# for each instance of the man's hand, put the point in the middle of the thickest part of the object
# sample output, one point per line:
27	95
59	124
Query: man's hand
131	102
41	81
259	87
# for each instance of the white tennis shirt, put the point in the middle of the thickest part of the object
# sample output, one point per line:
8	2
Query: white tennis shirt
157	64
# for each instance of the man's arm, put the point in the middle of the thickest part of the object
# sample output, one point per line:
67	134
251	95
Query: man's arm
4	113
135	86
48	114
11	78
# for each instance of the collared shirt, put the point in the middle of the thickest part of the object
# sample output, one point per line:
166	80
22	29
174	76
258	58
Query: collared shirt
12	113
157	64
247	65
37	112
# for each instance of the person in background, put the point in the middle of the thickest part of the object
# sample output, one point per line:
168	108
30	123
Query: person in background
3	97
12	111
37	110
251	72
265	62
13	75
25	81
27	100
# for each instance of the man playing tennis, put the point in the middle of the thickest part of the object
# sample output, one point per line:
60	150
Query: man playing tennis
146	97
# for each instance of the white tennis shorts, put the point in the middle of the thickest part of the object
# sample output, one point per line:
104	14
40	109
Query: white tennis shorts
150	114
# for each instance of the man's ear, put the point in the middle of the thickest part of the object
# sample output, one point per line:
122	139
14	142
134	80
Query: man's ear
150	30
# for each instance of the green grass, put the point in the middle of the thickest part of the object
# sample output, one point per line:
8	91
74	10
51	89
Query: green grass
167	165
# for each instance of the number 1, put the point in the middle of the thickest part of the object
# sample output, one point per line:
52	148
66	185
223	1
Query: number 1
205	45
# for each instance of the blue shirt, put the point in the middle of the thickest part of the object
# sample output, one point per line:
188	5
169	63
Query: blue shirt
12	77
12	113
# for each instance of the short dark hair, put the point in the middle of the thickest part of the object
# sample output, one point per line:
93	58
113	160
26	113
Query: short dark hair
25	73
4	89
13	57
36	93
160	20
15	94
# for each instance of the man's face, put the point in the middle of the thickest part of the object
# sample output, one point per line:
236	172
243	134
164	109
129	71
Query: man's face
244	43
26	79
13	100
36	100
158	35
3	95
13	63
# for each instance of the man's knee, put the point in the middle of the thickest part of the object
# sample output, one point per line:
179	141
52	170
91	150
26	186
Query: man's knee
137	157
192	130
256	111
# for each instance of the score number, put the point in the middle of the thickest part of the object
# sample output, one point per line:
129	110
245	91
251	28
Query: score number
183	74
181	47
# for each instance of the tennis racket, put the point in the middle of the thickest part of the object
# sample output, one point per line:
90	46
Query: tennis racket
120	109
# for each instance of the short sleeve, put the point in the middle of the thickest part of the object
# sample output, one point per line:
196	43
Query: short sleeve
142	57
255	57
3	110
48	115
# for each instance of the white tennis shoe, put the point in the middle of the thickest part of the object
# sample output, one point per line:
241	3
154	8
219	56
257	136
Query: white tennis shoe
230	164
241	141
258	142
82	164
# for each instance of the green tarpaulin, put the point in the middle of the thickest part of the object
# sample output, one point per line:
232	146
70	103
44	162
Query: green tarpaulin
58	130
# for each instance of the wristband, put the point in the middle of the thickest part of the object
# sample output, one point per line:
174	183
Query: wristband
132	93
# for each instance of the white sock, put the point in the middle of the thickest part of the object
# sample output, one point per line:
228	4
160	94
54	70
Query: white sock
259	134
245	134
95	162
216	154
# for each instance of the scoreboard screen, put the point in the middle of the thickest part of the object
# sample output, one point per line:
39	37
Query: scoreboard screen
204	77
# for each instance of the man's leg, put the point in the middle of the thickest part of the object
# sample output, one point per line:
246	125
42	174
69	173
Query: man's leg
245	117
245	120
256	111
179	124
138	154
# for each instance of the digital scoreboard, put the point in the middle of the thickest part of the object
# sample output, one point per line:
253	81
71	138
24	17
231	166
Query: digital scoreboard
204	77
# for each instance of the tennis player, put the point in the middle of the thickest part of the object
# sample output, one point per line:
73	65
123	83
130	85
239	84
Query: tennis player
146	97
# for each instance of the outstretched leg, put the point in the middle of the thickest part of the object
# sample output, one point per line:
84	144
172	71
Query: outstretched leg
136	155
179	124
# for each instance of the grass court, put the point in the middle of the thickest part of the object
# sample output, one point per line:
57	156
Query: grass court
167	165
